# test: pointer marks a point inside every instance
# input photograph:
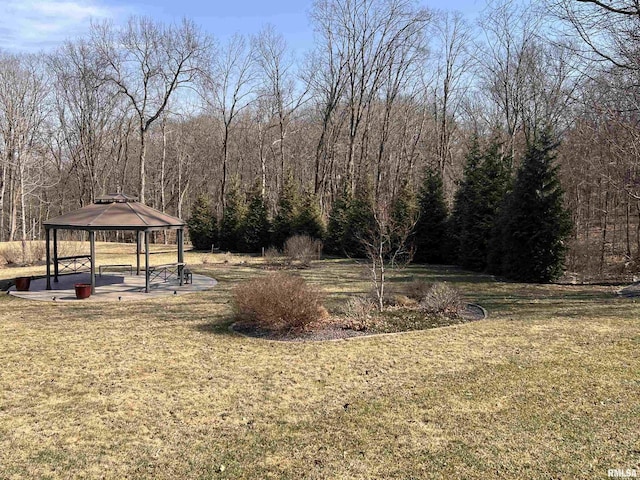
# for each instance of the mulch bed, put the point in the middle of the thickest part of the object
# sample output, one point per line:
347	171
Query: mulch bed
334	331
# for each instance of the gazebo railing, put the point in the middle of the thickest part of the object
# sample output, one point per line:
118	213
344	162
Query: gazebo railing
166	272
75	263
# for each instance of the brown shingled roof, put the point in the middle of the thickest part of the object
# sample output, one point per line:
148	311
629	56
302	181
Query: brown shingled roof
115	212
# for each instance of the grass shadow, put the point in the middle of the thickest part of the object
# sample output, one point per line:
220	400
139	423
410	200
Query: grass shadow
220	328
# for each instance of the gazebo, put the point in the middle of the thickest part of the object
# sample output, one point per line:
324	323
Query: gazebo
113	212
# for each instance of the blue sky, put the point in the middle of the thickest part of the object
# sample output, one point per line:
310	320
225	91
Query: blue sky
31	25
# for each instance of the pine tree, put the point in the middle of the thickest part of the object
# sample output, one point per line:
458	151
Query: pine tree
254	231
431	237
360	221
487	178
309	219
351	218
535	223
465	198
337	224
203	227
404	213
232	219
287	211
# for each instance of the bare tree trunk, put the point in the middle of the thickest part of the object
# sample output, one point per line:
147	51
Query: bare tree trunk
2	195
142	160
605	220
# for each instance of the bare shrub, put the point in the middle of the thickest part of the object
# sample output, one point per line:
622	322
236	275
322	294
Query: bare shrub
273	256
394	296
272	253
358	307
37	252
12	254
399	300
29	253
442	299
69	249
358	311
302	249
279	302
417	289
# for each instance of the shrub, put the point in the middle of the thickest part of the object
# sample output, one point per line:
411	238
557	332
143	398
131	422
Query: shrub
278	302
303	249
417	289
38	251
272	254
12	254
68	249
442	299
358	311
19	253
399	300
358	307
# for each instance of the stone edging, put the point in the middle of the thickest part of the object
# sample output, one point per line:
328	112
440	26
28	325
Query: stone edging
485	314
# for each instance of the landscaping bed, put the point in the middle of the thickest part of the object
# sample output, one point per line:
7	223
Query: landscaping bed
393	320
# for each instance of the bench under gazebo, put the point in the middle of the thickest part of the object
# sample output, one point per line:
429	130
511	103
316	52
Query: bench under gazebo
114	212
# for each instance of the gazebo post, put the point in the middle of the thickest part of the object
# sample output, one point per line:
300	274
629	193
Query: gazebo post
146	261
48	250
55	255
138	252
92	243
181	254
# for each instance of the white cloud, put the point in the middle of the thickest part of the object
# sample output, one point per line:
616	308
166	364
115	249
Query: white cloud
31	25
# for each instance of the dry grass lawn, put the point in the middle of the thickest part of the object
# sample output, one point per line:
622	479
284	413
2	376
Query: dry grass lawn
547	387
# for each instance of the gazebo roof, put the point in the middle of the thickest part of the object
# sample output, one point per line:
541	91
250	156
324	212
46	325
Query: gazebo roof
115	212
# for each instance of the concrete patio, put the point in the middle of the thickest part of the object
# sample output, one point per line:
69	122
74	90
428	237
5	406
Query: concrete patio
111	288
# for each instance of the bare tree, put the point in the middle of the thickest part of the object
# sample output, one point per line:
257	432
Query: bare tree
608	29
386	244
23	111
454	61
149	62
88	110
510	31
227	89
277	89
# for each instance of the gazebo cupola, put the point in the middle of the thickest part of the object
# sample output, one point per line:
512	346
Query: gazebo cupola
113	212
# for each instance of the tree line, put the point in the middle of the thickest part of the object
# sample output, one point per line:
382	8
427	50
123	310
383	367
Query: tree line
391	96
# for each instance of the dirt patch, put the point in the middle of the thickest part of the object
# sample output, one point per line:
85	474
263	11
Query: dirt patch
335	329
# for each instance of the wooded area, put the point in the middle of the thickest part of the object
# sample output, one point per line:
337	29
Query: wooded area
390	93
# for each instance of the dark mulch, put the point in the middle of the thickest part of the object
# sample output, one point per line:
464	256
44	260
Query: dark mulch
397	320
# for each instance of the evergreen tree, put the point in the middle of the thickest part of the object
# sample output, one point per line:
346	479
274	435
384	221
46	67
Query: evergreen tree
309	219
465	198
350	219
203	227
404	213
360	221
338	223
487	178
287	212
254	232
431	237
535	223
232	219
